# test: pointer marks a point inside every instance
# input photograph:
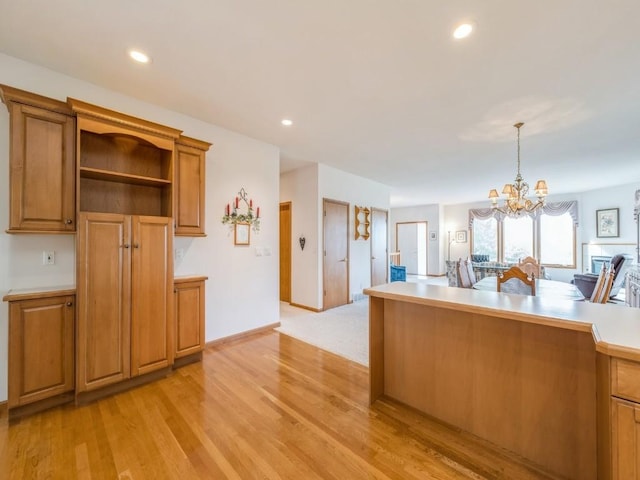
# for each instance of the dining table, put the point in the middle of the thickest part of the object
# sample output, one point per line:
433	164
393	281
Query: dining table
544	288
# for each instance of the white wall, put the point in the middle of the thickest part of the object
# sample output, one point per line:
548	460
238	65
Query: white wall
423	213
306	188
242	290
335	184
300	187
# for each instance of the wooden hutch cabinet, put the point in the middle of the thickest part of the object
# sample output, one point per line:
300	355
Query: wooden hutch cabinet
190	180
132	185
125	246
42	163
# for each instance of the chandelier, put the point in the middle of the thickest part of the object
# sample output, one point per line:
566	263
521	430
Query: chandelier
516	201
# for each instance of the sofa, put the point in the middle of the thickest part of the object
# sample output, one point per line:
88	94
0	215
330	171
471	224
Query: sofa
586	282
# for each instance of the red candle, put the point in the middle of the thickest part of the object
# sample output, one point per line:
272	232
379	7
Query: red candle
258	213
227	210
236	202
250	202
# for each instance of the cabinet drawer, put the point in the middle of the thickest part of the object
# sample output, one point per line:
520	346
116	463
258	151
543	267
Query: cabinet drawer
625	379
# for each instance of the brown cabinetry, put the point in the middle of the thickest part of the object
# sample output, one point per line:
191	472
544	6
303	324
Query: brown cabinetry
42	164
41	355
125	324
190	186
189	315
625	419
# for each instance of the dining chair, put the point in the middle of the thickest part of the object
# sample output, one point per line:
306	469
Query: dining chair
606	284
530	266
465	280
515	280
597	290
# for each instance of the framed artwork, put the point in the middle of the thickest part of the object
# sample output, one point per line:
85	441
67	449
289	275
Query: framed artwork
433	235
607	223
241	234
461	236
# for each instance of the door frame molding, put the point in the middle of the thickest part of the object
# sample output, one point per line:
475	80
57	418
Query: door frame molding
289	203
426	226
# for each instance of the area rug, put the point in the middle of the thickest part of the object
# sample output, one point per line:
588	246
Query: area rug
342	330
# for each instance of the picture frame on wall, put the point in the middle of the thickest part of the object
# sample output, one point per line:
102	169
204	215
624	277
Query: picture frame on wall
461	236
608	223
241	234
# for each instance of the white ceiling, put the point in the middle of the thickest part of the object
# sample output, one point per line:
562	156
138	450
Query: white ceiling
378	88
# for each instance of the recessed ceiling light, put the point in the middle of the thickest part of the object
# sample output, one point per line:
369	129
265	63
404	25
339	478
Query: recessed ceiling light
286	122
463	30
139	56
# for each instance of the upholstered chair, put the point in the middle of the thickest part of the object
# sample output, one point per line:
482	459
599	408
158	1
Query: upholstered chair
586	282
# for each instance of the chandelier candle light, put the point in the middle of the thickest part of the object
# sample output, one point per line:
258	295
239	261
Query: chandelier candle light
516	201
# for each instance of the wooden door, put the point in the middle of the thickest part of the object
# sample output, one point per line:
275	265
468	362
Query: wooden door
42	170
189	317
104	299
336	254
285	252
151	294
41	350
379	247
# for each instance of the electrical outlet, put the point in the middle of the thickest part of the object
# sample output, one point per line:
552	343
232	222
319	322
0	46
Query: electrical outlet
49	258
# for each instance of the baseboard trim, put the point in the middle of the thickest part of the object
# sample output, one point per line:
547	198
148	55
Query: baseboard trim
187	359
316	310
238	336
36	407
83	398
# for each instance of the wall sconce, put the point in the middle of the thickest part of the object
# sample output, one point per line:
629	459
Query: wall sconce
302	241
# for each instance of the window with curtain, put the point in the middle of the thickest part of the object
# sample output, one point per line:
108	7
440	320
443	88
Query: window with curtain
549	235
557	240
518	239
485	238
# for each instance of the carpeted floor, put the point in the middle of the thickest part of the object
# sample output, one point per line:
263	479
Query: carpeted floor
343	330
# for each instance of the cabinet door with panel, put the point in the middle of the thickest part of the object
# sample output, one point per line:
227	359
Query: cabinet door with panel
625	440
190	186
151	294
189	315
41	355
42	164
125	301
104	299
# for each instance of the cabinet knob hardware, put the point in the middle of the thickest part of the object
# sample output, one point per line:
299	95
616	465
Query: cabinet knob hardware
69	304
136	245
126	245
68	221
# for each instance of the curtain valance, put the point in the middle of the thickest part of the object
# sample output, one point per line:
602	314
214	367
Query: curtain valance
551	208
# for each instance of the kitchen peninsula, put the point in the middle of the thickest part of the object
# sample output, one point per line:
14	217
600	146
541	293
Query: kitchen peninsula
556	382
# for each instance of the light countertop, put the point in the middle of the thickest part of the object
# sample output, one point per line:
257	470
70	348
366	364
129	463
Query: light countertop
615	328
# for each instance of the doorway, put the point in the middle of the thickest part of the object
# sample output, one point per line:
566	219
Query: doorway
285	252
411	242
336	253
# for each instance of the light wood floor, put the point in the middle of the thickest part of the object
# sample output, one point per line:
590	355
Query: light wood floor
266	407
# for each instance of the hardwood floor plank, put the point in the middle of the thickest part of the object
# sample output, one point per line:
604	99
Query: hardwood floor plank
261	407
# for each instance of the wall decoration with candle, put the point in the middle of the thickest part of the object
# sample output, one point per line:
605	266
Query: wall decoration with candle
240	212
